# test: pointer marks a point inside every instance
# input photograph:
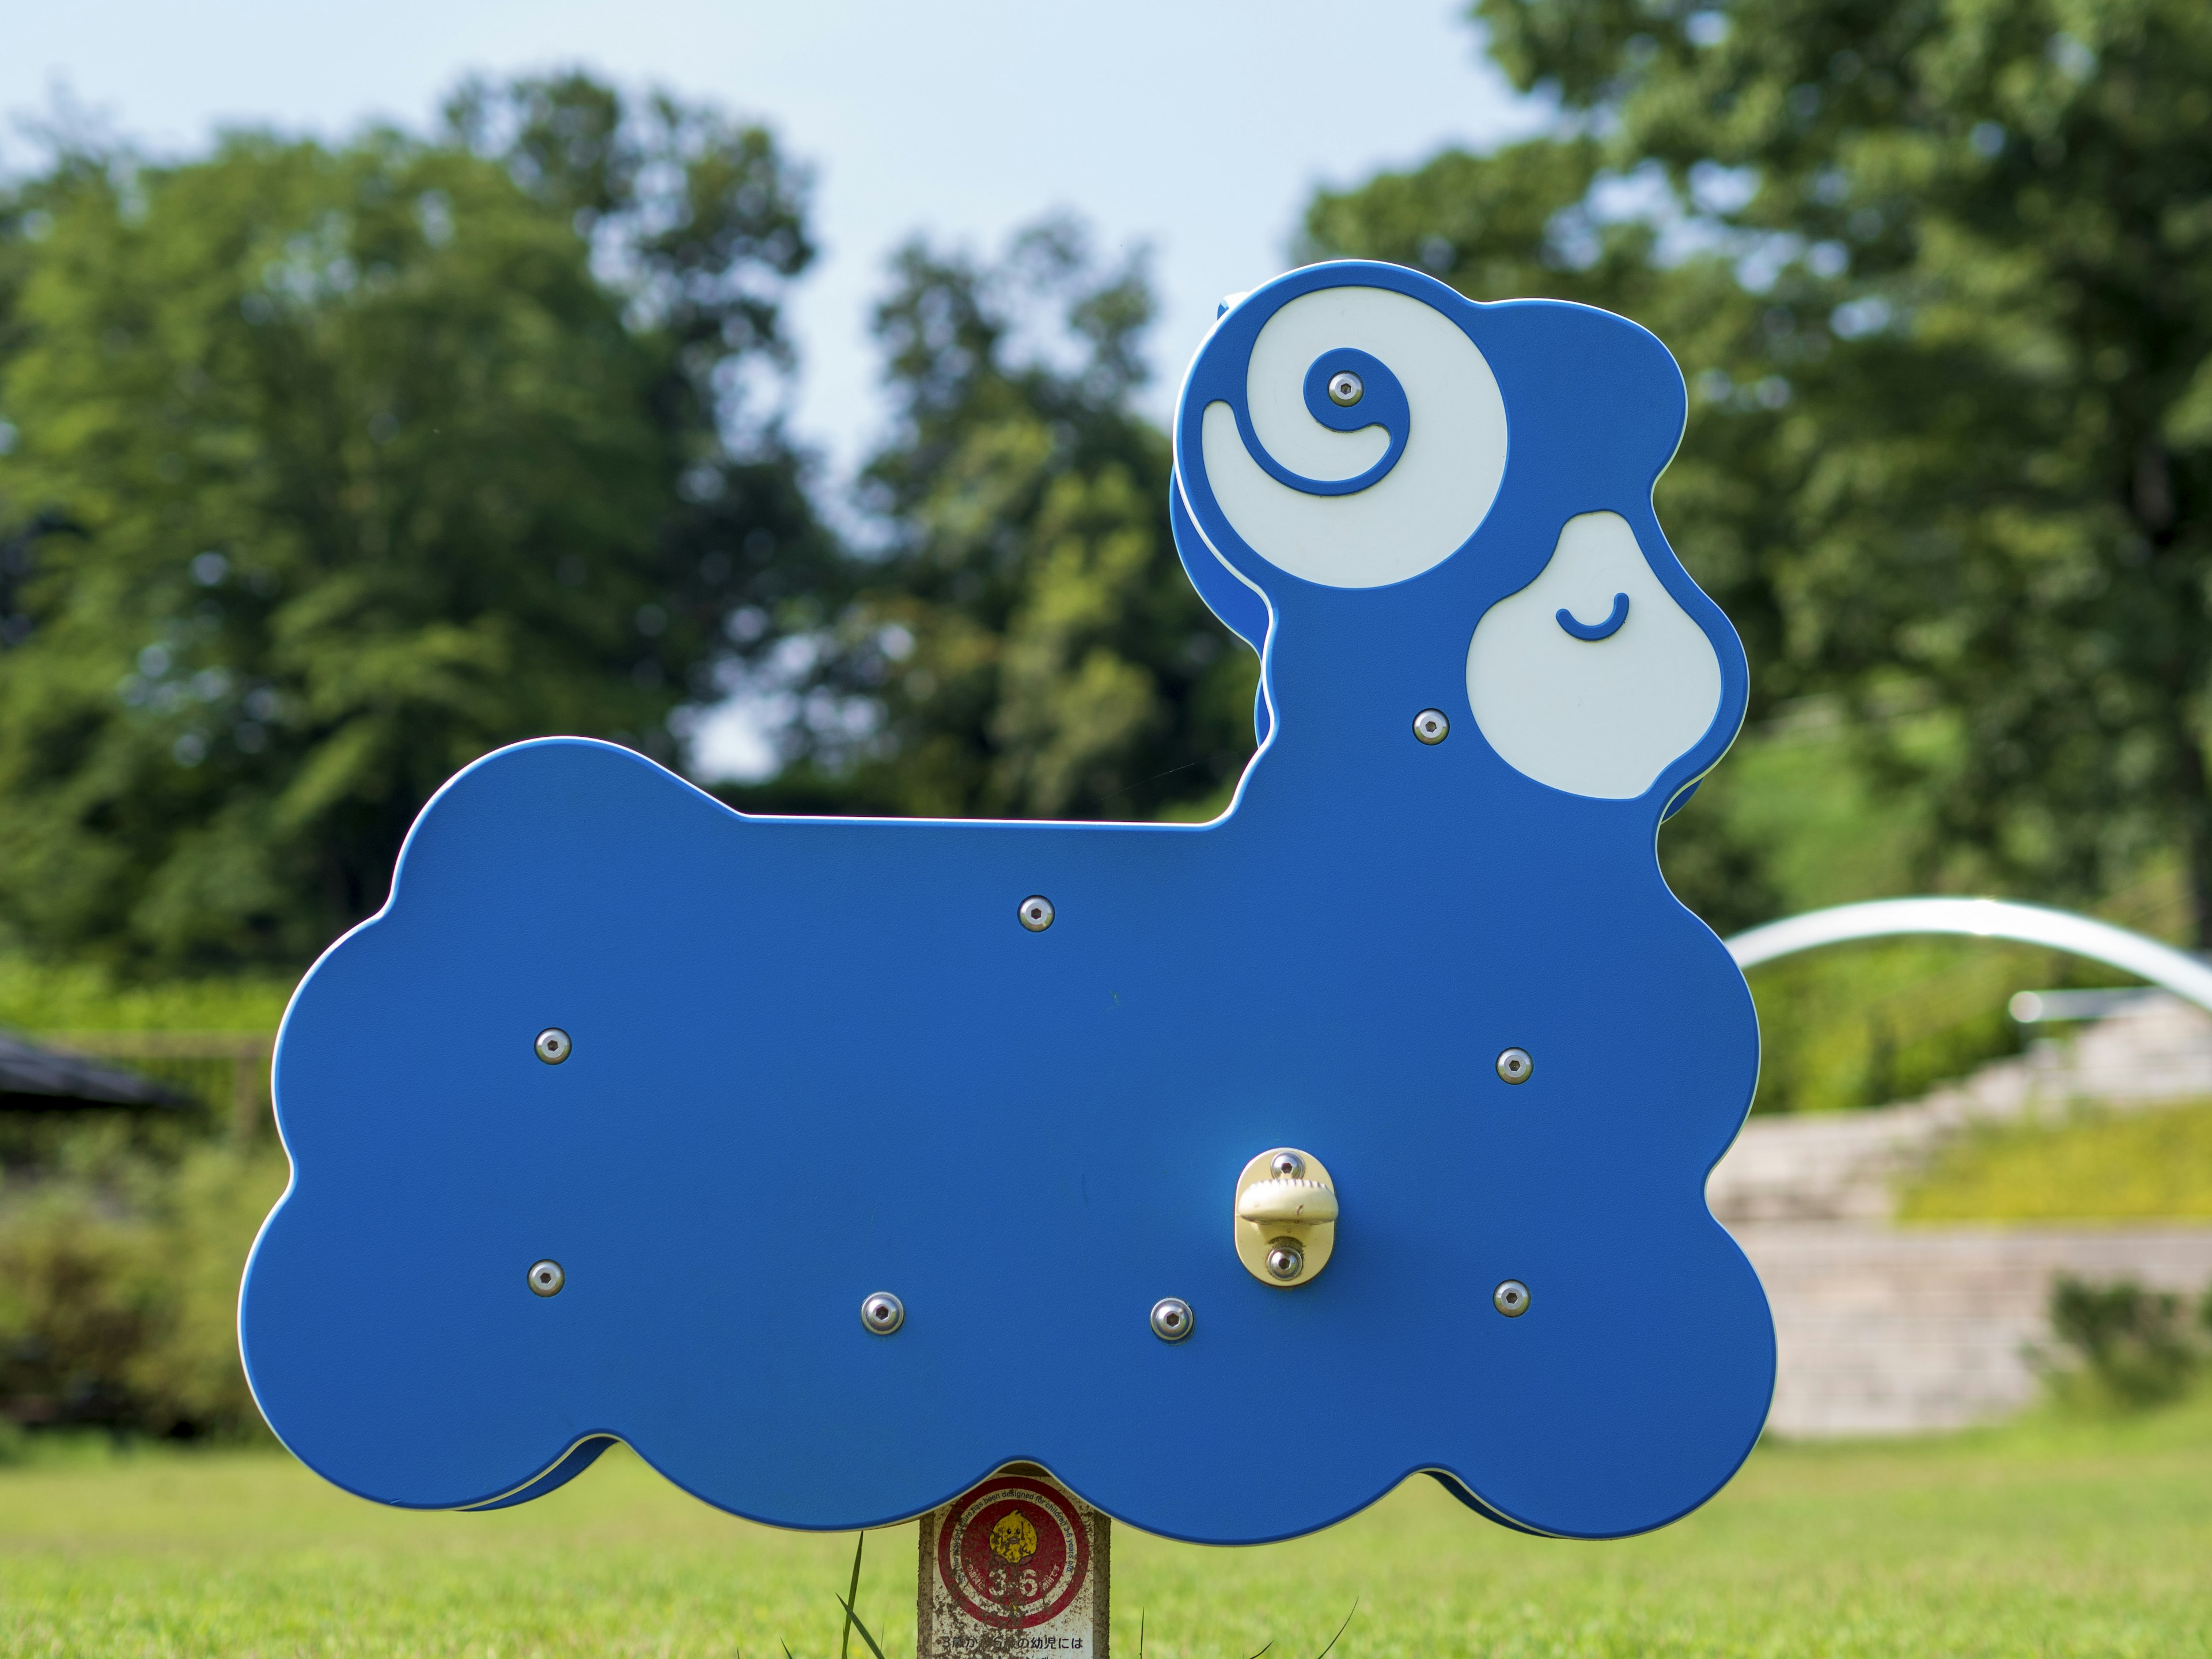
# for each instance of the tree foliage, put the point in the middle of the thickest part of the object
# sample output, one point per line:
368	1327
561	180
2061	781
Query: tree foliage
1027	644
328	469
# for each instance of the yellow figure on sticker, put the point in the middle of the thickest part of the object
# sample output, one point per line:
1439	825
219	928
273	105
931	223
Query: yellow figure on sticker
1013	1540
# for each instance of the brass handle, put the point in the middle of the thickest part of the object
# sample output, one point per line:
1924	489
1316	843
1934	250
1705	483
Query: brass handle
1287	1201
1286	1216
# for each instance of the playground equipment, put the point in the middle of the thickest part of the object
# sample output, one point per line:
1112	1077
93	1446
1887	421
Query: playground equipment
1981	918
1231	1173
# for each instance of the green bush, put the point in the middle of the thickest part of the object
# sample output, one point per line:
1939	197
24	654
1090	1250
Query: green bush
2096	1165
118	1295
45	994
2129	1347
123	1234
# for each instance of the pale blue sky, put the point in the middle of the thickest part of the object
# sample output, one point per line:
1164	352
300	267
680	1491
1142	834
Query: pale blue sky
1198	127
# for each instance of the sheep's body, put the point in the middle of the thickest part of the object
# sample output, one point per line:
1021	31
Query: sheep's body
815	1059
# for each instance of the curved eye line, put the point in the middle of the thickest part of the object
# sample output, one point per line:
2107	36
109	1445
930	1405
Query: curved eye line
1604	630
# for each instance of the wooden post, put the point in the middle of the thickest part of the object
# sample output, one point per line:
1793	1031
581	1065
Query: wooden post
1018	1566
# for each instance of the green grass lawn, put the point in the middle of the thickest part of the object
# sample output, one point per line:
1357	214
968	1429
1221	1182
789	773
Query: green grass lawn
2046	1538
2098	1166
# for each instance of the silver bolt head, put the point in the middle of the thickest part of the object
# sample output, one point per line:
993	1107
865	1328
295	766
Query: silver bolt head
1515	1066
552	1045
1346	388
1431	726
883	1313
1286	1166
546	1277
1510	1298
1171	1319
1286	1260
1035	913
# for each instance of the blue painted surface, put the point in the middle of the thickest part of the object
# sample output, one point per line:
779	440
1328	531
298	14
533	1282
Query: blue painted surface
1597	630
815	1059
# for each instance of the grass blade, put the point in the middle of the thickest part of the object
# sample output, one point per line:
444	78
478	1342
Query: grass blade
862	1628
1323	1653
851	1594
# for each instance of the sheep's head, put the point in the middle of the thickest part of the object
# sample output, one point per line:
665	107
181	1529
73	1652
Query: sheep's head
1377	477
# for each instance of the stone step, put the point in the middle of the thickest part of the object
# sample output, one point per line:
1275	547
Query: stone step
1894	1330
1844	1166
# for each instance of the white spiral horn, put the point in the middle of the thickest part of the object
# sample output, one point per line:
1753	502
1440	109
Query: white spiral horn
1423	507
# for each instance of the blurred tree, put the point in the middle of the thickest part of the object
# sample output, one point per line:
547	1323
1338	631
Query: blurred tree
1027	645
322	472
1970	338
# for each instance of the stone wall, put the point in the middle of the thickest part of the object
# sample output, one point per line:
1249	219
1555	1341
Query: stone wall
1891	1330
1885	1330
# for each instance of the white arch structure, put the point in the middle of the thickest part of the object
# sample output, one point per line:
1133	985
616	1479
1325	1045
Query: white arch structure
1981	918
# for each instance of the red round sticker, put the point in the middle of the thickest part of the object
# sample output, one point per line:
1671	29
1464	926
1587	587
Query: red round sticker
1014	1553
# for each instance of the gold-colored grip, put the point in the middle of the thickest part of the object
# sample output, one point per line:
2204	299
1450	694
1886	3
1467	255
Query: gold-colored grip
1286	1213
1286	1203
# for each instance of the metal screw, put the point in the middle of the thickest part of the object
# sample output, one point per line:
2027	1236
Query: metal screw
1287	1166
1037	913
1286	1260
1510	1298
553	1045
1171	1319
1431	727
1345	388
546	1277
1515	1066
883	1313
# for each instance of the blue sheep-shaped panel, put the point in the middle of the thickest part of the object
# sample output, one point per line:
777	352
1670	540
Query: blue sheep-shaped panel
613	1118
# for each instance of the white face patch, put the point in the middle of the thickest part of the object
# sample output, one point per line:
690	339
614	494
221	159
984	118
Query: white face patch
1418	514
1600	707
